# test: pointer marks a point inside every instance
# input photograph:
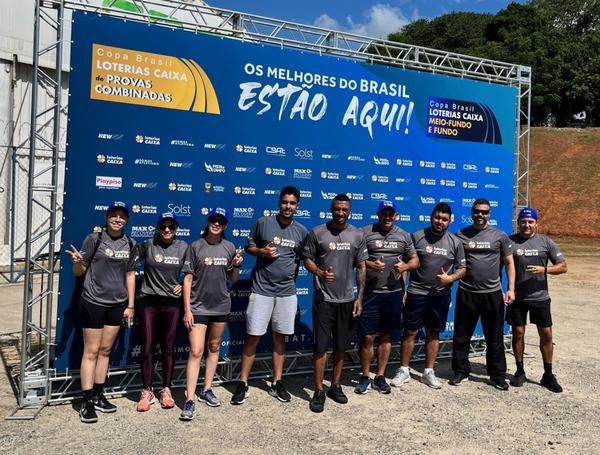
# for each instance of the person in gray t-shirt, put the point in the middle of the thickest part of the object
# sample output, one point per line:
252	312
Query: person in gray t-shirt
276	241
331	253
480	295
209	263
441	263
106	264
532	253
391	254
160	308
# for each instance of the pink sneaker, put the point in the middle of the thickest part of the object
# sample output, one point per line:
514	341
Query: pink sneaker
166	400
146	400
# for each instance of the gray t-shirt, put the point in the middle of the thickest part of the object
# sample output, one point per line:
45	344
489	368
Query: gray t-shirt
275	277
105	282
536	250
435	253
162	266
341	250
209	265
485	250
388	245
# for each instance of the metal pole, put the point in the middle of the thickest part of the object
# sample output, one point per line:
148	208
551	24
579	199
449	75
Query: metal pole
25	341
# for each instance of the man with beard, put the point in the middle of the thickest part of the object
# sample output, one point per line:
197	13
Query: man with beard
391	253
276	242
480	295
532	251
331	253
442	262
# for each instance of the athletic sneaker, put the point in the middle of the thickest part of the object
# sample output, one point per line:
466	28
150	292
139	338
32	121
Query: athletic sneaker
364	384
240	394
518	379
87	412
380	384
189	409
147	399
278	391
209	397
317	403
431	380
166	399
402	377
499	383
336	393
458	378
549	381
103	405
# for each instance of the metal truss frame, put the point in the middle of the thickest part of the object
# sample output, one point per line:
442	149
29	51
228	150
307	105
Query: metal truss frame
37	383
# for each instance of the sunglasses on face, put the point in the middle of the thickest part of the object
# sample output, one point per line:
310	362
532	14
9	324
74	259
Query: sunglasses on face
480	212
164	227
217	220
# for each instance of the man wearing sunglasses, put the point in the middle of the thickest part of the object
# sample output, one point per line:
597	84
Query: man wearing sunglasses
391	253
480	296
531	255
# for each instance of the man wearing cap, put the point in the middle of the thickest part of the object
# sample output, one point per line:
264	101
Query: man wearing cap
480	296
332	252
391	253
532	252
276	241
441	263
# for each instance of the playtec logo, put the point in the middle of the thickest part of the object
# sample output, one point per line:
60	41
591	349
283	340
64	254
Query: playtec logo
144	209
110	136
215	168
109	183
110	159
147	140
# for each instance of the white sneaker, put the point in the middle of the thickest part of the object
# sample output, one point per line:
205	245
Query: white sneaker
431	380
402	377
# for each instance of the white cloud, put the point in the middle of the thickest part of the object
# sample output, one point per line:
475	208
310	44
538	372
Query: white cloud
379	21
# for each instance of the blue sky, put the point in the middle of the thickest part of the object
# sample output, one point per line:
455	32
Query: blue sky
371	18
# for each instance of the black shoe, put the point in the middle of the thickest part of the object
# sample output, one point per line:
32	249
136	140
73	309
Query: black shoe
336	393
499	383
518	379
317	403
278	391
240	394
458	378
103	405
87	413
549	381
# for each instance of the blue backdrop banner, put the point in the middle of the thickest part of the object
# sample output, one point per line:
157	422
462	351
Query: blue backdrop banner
165	119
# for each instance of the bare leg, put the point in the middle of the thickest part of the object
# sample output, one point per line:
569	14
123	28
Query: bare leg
366	354
383	352
319	361
109	335
278	355
196	336
546	343
248	356
91	345
518	341
338	364
215	334
408	345
432	346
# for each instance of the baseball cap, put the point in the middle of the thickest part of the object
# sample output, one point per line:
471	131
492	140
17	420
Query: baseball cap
218	211
528	212
118	205
167	216
386	204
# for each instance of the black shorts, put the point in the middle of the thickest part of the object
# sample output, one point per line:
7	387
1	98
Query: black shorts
429	311
95	316
381	313
205	320
539	313
330	318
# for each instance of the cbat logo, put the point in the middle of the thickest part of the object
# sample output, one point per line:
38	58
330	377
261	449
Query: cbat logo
276	151
470	167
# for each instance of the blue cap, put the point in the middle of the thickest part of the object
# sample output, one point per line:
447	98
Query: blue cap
118	205
219	211
528	212
167	216
386	204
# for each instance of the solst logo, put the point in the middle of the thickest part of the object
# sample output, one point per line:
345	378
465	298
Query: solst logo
180	209
105	182
303	154
275	151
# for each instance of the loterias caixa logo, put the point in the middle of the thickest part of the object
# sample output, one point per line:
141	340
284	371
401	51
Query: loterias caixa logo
135	77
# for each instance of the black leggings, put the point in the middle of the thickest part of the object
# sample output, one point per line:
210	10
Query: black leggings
158	319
